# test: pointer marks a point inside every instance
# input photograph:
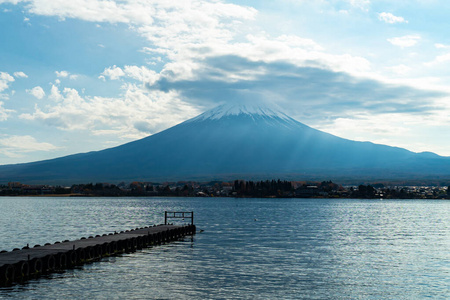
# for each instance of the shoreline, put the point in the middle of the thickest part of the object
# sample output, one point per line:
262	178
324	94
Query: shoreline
248	197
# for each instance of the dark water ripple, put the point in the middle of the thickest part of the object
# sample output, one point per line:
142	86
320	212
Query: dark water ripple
250	249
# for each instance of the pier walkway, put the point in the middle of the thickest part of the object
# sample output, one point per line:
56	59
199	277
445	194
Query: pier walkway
22	264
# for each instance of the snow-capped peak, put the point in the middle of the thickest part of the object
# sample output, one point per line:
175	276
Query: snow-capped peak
243	108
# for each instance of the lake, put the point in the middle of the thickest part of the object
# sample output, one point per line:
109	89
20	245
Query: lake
249	248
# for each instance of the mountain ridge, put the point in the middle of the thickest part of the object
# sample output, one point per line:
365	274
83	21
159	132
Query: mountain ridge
229	142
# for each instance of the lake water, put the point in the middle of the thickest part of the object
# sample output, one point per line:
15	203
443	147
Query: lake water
249	249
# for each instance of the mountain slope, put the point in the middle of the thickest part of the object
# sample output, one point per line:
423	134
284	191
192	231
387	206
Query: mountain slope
229	142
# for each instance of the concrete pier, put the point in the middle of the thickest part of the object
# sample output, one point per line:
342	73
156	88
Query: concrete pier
21	264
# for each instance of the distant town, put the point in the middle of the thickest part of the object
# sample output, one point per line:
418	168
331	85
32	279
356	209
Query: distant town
237	188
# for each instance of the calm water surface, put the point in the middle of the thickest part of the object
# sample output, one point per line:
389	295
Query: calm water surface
250	248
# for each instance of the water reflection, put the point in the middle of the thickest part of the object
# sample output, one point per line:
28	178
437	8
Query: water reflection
250	248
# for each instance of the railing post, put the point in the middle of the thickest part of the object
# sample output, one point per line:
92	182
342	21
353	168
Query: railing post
178	215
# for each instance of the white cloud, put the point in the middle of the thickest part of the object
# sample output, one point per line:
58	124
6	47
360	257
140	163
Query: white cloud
5	80
389	129
443	58
291	49
137	110
20	75
172	26
400	69
88	10
193	29
37	92
66	74
55	94
361	4
390	18
405	41
4	113
14	145
113	73
358	127
440	59
11	1
137	12
441	46
62	74
409	131
141	73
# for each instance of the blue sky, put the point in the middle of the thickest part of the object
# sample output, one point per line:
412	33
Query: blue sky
83	75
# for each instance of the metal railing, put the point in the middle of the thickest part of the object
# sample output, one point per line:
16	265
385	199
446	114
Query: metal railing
178	215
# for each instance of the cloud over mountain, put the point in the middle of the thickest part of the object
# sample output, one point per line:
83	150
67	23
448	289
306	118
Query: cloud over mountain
361	69
314	89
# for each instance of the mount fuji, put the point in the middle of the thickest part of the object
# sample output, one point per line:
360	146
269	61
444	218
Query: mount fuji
242	141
